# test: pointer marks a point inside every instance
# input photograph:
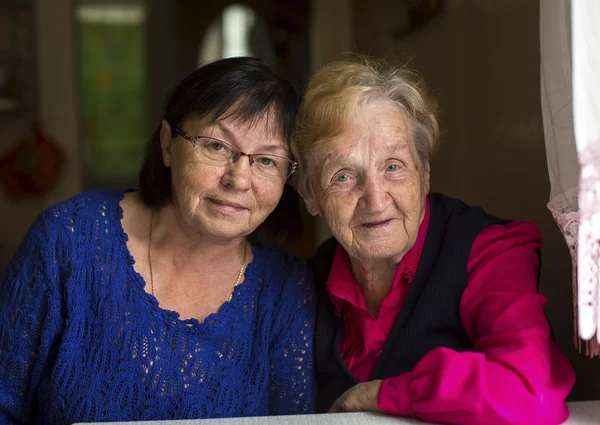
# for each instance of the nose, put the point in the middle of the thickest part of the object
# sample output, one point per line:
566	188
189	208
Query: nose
375	194
238	174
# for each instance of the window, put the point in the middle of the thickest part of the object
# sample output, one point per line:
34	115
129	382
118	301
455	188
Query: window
111	80
237	31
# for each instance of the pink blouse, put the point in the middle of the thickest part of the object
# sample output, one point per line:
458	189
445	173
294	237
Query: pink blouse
515	375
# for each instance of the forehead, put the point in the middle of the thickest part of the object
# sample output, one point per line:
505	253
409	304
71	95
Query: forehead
260	130
379	126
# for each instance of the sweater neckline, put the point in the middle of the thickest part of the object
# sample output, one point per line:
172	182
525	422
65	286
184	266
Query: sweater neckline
227	310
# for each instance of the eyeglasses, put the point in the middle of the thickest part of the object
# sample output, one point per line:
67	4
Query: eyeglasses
219	152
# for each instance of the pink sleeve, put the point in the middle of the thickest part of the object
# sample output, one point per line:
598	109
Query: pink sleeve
516	374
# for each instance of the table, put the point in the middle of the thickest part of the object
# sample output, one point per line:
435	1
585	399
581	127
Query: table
582	413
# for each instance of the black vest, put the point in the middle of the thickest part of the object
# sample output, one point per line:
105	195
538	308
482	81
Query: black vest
429	317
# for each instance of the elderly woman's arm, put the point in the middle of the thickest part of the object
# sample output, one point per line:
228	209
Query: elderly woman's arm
516	374
30	314
292	381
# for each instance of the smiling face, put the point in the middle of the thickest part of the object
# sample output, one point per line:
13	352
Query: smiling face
222	202
367	185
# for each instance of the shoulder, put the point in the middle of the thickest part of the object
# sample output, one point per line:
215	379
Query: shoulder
458	210
513	232
493	227
283	272
65	213
489	229
517	241
456	221
68	219
287	291
278	262
91	200
94	202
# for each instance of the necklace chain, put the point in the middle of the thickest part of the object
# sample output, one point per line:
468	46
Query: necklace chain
237	282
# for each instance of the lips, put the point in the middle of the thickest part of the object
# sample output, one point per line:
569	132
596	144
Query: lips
375	224
228	203
227	206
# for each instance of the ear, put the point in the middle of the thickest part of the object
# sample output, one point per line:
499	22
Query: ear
426	178
166	142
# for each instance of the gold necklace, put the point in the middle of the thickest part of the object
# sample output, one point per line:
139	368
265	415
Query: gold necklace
237	282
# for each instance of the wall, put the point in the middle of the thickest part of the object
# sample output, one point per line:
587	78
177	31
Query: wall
481	58
54	46
17	51
55	56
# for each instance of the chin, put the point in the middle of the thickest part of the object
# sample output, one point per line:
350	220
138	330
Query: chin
220	229
380	251
234	230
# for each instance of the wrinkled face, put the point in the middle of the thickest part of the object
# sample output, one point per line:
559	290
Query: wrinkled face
222	202
366	184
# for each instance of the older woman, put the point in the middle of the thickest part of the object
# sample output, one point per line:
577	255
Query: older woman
154	304
428	307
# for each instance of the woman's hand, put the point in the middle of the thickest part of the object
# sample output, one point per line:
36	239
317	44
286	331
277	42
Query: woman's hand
360	398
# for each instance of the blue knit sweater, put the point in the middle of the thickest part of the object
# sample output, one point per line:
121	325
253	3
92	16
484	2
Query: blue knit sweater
81	340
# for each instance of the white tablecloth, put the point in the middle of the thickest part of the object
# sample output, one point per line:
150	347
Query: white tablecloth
582	413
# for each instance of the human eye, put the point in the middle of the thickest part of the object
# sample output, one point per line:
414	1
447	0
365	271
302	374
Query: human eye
342	178
393	166
266	161
215	149
215	145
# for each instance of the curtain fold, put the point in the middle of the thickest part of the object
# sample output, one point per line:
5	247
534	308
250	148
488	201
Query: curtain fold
570	58
586	108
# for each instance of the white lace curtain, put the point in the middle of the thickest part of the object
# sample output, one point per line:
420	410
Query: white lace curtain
570	87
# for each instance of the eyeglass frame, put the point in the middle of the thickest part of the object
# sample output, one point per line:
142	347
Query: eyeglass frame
238	152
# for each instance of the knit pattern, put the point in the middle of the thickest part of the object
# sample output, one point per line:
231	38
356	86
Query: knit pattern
82	341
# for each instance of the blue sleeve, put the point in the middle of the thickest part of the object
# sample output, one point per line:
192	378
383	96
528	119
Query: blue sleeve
29	320
292	382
